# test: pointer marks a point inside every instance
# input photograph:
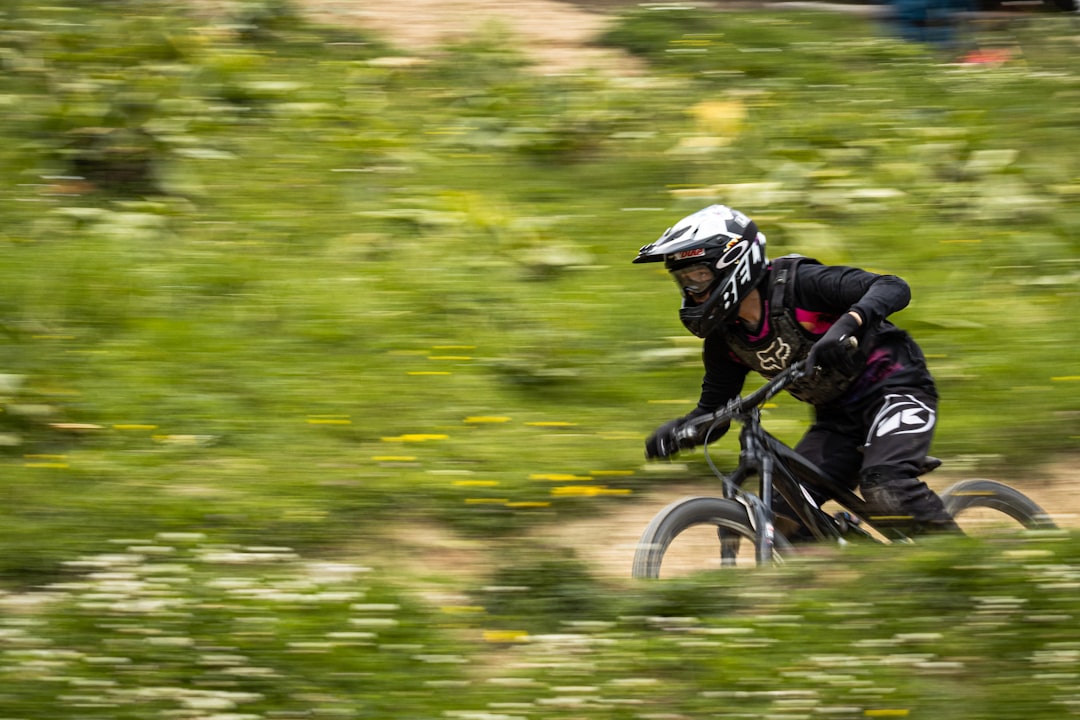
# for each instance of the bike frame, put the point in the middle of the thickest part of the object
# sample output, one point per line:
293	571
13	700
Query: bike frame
742	514
780	470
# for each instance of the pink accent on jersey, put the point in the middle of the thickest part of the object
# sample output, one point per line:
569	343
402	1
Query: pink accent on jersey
815	322
819	323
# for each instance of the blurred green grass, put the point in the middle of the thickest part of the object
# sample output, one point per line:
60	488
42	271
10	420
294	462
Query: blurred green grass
261	280
273	297
177	625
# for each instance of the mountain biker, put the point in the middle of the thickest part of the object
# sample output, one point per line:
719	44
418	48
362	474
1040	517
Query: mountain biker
874	405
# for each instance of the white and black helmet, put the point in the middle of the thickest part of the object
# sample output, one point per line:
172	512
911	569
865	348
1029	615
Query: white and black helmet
717	256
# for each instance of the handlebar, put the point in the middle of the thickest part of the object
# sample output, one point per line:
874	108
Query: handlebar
739	405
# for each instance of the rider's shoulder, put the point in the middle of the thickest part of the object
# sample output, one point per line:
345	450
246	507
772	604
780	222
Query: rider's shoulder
788	264
795	259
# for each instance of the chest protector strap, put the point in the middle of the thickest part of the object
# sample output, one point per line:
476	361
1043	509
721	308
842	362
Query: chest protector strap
786	340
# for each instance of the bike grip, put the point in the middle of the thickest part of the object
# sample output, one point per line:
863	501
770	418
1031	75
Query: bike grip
685	432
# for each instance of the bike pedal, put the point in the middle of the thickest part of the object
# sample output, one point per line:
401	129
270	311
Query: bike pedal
846	519
850	525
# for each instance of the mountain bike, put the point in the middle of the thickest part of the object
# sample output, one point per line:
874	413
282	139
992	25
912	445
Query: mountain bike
744	523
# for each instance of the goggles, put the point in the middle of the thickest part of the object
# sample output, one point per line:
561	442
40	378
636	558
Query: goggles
694	279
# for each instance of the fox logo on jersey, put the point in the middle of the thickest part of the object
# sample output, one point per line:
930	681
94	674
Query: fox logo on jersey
776	357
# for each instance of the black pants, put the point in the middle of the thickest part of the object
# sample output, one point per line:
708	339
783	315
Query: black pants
878	446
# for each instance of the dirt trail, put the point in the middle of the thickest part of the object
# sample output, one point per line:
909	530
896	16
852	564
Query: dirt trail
606	542
555	35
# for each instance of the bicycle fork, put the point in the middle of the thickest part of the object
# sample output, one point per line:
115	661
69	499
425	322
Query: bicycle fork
758	510
763	515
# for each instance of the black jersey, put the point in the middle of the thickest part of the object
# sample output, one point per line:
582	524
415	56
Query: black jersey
817	296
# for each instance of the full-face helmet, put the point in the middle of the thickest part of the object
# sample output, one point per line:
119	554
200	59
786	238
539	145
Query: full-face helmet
716	256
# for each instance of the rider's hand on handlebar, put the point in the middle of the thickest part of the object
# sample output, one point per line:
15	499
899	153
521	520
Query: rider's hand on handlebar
664	443
671	437
836	348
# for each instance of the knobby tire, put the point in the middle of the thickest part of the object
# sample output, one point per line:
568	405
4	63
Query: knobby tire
978	493
680	516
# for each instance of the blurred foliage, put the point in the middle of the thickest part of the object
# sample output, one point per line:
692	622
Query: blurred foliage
541	588
264	279
178	626
274	291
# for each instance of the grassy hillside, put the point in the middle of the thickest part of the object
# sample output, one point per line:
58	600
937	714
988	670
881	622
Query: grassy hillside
292	281
270	288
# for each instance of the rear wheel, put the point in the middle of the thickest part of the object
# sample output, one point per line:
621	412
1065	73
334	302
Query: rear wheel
983	506
698	533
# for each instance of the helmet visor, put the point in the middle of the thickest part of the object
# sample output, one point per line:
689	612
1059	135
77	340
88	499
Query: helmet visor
695	279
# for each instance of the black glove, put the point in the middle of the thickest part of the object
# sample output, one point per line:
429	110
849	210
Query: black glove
836	348
664	443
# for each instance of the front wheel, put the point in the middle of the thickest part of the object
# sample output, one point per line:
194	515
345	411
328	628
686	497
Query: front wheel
982	506
698	533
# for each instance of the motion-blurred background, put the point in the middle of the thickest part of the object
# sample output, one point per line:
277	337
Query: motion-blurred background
325	372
